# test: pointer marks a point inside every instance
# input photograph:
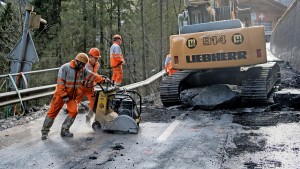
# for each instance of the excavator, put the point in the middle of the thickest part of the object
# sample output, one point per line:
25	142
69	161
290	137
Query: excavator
216	44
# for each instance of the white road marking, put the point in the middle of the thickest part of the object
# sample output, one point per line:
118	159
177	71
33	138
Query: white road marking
164	136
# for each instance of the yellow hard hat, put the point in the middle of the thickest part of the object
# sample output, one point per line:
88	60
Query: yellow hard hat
82	57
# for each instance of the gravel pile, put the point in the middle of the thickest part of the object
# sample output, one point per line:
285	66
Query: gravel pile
289	78
34	113
152	100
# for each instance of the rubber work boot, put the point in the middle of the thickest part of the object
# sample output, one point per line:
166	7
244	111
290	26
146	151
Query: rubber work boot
66	126
89	116
46	127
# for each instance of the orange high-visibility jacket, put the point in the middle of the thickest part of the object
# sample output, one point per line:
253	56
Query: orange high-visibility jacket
70	80
168	65
95	68
116	56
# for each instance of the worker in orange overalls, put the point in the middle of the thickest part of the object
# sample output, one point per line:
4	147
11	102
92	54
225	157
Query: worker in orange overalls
68	89
88	86
117	60
168	65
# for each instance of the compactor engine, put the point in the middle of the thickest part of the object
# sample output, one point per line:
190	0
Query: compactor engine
117	110
124	105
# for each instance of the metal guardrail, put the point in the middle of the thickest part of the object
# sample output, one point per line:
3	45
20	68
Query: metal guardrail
9	98
26	94
20	95
31	72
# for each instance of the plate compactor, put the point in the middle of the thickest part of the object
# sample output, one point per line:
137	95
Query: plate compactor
117	110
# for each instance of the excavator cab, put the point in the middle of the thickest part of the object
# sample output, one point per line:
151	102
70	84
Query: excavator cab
117	110
203	11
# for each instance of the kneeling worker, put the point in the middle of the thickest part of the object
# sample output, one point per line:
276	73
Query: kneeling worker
69	81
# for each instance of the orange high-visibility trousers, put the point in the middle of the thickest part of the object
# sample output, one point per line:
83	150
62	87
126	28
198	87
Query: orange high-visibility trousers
172	71
169	69
57	103
117	76
90	94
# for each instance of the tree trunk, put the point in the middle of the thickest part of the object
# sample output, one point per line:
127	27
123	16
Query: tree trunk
111	19
143	41
84	25
94	22
119	17
101	30
161	36
168	25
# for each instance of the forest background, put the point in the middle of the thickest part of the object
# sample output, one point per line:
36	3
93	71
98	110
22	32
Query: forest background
75	26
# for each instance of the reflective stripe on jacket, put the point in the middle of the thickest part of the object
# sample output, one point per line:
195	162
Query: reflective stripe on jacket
70	80
116	56
95	68
168	64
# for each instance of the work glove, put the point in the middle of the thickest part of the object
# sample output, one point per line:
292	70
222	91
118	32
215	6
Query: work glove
66	99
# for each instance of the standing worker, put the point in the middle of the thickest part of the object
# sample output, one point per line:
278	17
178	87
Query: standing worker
117	60
88	87
168	65
69	81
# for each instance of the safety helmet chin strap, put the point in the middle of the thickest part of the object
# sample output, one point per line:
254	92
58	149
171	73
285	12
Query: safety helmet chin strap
77	67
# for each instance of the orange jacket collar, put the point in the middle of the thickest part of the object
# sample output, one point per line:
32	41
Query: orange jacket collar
117	42
72	64
96	64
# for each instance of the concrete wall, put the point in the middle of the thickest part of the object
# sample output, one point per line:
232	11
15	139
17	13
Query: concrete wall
285	39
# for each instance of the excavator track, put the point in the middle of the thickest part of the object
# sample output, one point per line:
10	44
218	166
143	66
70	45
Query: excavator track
257	88
171	87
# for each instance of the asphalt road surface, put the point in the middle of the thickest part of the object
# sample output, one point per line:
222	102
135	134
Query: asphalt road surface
168	138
